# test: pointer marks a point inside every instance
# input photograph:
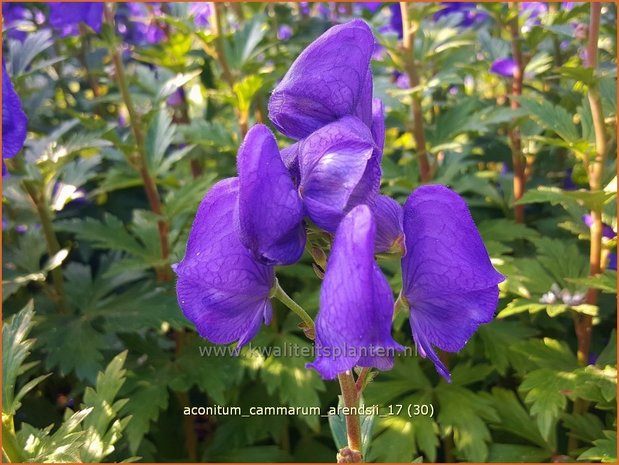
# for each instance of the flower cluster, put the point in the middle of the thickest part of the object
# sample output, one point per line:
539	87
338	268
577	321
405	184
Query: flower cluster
330	179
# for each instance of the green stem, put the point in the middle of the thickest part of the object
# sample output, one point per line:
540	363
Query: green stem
53	246
284	298
141	163
408	48
515	137
10	446
351	400
583	324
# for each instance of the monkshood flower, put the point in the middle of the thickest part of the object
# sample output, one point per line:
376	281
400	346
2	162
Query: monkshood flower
449	283
468	13
14	14
353	327
270	213
395	21
339	168
612	261
284	32
504	67
201	12
532	12
14	121
221	288
137	23
607	230
330	79
65	18
389	225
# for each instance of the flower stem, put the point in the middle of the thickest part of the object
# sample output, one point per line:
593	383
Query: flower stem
583	323
10	446
514	132
408	47
140	163
284	298
53	246
351	400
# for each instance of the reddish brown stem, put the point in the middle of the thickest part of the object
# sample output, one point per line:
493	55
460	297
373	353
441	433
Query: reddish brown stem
140	162
408	49
515	138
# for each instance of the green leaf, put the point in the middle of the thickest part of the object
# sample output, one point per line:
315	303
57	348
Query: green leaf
467	415
72	344
159	137
606	281
555	196
15	349
545	392
147	396
605	450
499	337
296	385
510	453
102	427
514	418
107	234
608	356
246	90
586	427
551	117
22	54
505	230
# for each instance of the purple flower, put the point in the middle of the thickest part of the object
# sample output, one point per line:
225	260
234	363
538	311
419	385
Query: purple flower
330	79
14	121
270	213
612	261
201	12
469	14
532	11
396	19
389	225
378	124
372	7
13	14
220	287
353	327
66	17
339	168
504	67
137	24
448	280
177	98
607	230
284	32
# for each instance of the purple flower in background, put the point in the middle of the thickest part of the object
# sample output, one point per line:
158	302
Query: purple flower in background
137	23
531	12
396	19
284	32
14	121
220	287
469	14
448	280
372	7
401	80
612	261
504	67
177	98
607	230
330	79
389	225
353	327
339	167
66	17
270	211
13	15
201	12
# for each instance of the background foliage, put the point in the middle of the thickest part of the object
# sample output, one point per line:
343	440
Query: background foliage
98	361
